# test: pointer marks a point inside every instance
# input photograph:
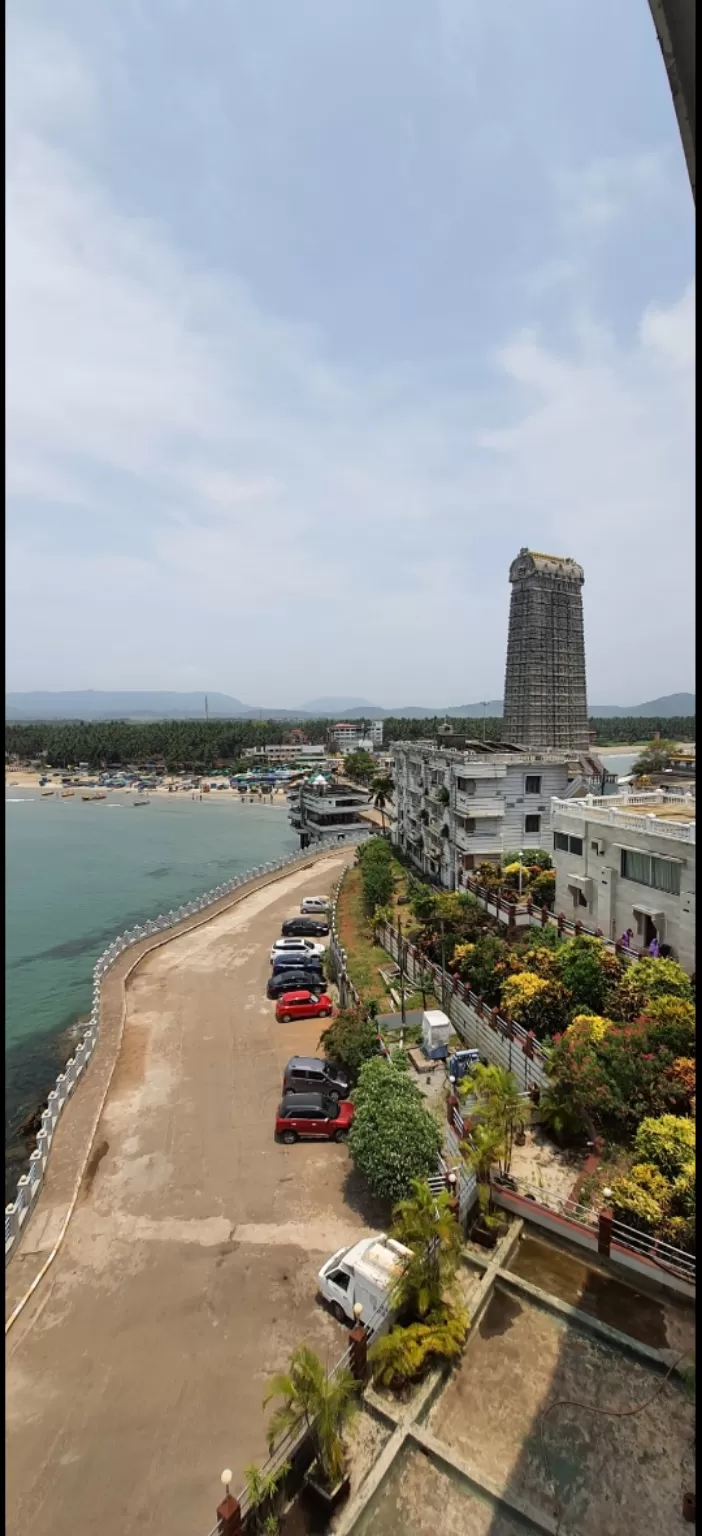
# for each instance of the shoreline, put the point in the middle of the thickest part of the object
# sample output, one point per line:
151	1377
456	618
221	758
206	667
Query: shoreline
23	781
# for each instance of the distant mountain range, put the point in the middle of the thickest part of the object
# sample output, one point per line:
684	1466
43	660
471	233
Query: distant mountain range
96	705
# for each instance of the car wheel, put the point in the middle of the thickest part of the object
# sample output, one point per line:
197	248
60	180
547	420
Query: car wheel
289	1137
324	1013
340	1135
339	1312
286	1018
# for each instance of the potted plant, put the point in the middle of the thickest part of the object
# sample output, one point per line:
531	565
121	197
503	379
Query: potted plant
322	1405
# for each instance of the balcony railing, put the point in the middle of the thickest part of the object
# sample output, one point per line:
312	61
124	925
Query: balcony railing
645	821
479	805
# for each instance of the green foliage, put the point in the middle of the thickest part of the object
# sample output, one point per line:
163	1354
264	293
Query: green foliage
320	1403
382	788
489	963
670	1023
425	1223
647	980
404	1354
393	1138
536	1003
350	1040
500	1106
543	889
668	1141
635	1206
655	1183
264	1493
590	972
377	879
530	857
360	767
565	1116
655	758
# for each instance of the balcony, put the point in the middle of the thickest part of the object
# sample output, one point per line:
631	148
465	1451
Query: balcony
479	805
479	842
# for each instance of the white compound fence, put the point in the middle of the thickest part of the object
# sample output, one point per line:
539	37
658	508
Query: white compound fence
31	1182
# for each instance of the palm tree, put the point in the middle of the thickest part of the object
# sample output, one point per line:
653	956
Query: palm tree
264	1489
426	1224
316	1402
498	1092
485	1146
382	788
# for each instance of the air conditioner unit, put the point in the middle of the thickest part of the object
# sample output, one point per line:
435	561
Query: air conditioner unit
597	847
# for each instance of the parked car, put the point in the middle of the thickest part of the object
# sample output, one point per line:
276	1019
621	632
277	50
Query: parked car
292	957
314	904
313	1115
303	1005
305	927
282	945
365	1273
311	1074
294	980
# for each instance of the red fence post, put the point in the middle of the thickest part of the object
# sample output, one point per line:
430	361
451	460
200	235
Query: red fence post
578	928
604	1232
544	916
494	1016
529	1045
529	905
481	1005
358	1345
229	1515
561	923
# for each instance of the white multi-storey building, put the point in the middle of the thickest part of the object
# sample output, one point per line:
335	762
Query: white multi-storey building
361	736
456	809
319	810
628	862
287	752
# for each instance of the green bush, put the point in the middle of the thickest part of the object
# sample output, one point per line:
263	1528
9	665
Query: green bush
650	1179
635	1206
668	1141
404	1354
646	980
349	1041
590	973
393	1138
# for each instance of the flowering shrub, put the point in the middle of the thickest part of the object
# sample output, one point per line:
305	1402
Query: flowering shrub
668	1141
670	1023
590	972
543	888
592	1024
535	1002
646	980
682	1079
636	1206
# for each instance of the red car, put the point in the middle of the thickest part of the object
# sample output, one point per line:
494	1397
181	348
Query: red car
313	1115
303	1005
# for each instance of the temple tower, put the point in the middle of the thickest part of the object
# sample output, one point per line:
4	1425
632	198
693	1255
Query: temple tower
545	695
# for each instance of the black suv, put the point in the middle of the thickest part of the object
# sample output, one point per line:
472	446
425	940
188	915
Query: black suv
301	979
305	927
297	962
310	1074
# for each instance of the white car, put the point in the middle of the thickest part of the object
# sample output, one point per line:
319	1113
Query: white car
314	904
296	946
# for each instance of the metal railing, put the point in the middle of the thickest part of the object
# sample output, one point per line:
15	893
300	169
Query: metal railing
30	1183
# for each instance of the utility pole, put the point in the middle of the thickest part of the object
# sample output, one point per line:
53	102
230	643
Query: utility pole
484	703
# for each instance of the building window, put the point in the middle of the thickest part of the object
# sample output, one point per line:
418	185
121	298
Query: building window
532	823
560	842
646	869
575	845
532	784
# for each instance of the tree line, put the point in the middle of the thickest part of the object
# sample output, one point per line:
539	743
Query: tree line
189	744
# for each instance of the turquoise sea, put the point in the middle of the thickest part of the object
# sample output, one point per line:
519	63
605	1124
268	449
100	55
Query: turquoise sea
79	873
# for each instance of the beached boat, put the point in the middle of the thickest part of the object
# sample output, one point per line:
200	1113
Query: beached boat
67	794
46	792
141	802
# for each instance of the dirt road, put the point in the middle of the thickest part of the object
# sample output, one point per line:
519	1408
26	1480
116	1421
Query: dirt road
188	1271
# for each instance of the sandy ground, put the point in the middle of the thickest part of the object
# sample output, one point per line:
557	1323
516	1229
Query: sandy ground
25	779
188	1271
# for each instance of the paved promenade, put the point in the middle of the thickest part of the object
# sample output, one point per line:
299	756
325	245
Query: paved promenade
187	1275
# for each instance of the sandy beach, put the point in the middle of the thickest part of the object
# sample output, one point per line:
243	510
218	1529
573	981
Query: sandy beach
26	778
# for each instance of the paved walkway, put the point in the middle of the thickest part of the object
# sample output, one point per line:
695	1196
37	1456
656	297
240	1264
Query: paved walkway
188	1271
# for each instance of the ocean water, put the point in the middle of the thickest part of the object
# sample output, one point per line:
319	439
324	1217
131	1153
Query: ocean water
77	874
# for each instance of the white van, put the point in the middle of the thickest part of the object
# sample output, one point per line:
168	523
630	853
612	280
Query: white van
364	1274
314	904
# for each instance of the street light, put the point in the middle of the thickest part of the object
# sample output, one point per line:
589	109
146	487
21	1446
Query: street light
521	854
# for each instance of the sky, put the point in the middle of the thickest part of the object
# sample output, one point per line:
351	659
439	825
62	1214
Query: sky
316	314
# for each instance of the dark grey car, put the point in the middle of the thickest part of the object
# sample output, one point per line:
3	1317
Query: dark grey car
311	1074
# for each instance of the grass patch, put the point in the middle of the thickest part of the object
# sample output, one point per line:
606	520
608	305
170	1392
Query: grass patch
363	956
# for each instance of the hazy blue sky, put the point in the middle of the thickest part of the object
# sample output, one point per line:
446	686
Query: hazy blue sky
317	311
